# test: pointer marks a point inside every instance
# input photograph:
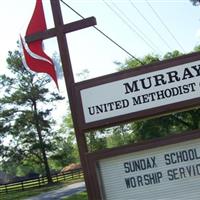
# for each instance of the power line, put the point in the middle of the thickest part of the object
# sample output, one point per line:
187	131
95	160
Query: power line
137	28
162	22
148	22
127	22
105	35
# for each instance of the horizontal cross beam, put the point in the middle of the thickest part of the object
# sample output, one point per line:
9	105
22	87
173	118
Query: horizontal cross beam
67	28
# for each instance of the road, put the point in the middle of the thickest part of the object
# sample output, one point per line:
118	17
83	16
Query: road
60	193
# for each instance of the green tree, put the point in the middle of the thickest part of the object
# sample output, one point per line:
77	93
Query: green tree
26	115
162	125
172	54
133	63
66	151
197	48
148	128
120	135
96	140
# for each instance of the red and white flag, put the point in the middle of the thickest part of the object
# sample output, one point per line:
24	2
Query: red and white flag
34	56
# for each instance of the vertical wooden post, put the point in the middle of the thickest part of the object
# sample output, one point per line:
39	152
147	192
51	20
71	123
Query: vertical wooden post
69	80
59	31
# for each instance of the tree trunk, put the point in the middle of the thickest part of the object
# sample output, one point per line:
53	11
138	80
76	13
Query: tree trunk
42	147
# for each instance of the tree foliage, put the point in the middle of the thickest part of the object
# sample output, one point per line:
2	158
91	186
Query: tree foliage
26	105
67	150
164	125
146	129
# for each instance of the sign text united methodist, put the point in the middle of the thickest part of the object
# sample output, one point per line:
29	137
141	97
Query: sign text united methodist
139	93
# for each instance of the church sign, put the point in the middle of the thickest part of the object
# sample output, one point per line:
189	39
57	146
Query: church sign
160	169
142	92
165	169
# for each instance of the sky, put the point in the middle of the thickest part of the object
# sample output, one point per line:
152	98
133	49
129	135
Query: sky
140	26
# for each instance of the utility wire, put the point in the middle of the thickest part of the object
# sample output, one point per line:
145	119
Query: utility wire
149	23
131	24
105	35
125	22
162	22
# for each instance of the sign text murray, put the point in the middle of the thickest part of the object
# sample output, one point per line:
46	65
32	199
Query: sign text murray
139	93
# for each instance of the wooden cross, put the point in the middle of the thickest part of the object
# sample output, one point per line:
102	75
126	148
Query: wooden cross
59	31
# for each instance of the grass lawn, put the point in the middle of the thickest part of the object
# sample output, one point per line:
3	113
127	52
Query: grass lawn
20	195
80	196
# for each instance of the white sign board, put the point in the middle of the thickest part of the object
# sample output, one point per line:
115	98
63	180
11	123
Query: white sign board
139	93
170	172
